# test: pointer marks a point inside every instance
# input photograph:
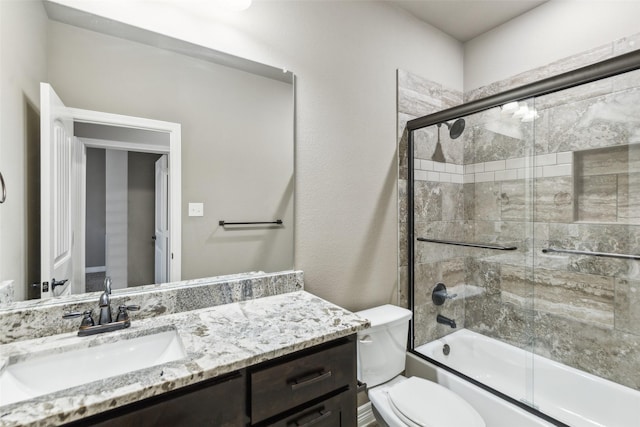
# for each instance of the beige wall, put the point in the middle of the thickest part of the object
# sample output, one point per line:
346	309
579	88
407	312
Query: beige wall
345	56
22	67
551	32
237	132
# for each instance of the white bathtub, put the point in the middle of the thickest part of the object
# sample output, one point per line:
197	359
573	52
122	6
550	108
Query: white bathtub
571	396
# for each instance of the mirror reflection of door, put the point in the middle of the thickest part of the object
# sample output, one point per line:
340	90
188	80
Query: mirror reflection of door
107	208
124	202
161	212
59	204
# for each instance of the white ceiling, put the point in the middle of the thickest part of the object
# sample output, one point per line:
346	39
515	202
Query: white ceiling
466	19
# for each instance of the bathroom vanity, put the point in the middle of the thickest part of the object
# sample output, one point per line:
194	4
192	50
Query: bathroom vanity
287	359
310	387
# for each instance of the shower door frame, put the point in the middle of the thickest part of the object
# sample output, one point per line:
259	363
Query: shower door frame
608	68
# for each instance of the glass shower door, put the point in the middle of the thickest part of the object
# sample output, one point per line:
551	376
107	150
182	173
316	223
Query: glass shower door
524	251
474	234
586	277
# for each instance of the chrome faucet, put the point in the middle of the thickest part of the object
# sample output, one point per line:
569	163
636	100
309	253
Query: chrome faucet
105	303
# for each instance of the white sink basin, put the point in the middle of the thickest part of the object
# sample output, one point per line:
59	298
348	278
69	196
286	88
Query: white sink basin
46	373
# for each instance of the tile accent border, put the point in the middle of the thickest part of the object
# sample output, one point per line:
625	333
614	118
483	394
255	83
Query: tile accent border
541	166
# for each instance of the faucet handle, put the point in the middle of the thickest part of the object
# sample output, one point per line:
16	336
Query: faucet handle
74	314
439	294
123	310
87	320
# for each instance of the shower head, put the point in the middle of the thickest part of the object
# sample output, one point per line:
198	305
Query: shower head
438	155
455	129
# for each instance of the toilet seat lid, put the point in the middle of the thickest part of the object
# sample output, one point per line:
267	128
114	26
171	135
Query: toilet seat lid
419	402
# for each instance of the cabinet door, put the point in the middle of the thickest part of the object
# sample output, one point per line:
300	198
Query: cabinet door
337	411
219	402
308	376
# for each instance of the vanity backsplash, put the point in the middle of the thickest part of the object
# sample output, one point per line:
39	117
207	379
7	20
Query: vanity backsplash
6	292
34	319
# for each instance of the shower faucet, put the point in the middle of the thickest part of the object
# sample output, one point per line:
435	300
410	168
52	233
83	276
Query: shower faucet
446	321
439	294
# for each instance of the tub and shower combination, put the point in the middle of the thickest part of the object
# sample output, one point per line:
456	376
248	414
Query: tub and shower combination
523	230
560	391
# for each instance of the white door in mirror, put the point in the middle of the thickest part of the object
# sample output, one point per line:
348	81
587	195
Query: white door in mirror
63	190
58	194
161	237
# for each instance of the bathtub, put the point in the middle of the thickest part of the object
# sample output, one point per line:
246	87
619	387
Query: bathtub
573	397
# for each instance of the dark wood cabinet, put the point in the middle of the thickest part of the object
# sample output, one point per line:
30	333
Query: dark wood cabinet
313	387
337	411
316	387
217	403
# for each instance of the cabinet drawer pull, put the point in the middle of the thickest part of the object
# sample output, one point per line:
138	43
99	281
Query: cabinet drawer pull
309	379
322	415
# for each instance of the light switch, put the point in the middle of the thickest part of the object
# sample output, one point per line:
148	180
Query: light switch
196	209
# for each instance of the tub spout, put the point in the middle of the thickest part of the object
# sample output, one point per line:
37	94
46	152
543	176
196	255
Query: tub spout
446	321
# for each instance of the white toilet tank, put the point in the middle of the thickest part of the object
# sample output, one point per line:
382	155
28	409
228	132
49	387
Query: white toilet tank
382	348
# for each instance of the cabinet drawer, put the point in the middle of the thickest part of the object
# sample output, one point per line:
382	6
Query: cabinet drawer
291	383
215	403
338	411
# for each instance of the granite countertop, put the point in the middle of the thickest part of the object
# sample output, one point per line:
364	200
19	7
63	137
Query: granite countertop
217	340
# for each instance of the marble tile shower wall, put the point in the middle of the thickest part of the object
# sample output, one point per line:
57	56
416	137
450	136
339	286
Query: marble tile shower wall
567	180
578	310
439	203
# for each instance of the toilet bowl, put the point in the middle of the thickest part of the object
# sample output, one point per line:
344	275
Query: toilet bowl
398	401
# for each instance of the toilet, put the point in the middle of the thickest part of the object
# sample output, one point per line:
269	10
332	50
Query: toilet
398	401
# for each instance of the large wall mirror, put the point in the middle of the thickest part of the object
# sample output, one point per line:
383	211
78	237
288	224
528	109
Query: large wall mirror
236	123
